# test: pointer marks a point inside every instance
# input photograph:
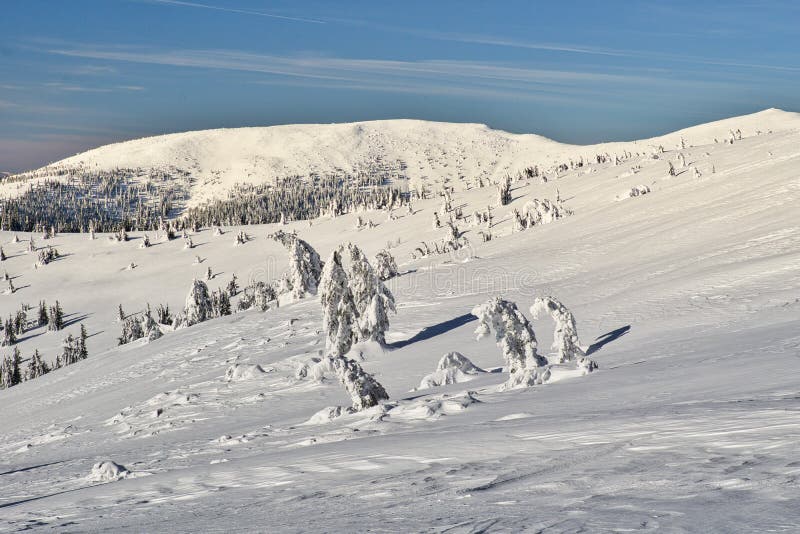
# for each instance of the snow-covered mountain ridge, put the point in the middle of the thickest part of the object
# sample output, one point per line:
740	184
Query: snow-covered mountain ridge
217	160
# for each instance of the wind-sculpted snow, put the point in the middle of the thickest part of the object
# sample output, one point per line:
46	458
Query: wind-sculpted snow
686	299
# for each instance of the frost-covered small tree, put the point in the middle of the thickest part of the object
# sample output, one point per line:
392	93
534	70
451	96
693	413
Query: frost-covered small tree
515	336
305	266
365	392
372	298
504	192
145	241
41	315
10	372
149	325
198	304
338	306
2	255
36	366
163	315
385	265
233	286
565	337
55	319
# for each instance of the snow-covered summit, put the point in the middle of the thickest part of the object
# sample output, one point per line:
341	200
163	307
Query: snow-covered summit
219	159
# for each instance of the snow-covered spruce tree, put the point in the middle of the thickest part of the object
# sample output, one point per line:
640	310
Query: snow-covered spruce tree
515	336
36	367
372	298
149	326
233	286
198	304
257	295
504	192
338	307
2	255
565	337
163	315
220	303
41	315
385	265
365	392
10	374
9	335
305	266
131	330
55	319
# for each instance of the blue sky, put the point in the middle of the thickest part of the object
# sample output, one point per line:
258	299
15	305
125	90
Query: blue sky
80	73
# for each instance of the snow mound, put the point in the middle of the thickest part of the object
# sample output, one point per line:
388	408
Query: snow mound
108	471
453	368
240	371
432	408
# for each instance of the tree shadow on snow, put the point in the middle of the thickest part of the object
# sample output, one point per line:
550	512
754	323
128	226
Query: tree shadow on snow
432	331
607	338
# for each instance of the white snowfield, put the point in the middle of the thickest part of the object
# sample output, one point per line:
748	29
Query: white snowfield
687	297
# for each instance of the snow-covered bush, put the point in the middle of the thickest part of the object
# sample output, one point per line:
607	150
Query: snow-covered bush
537	212
453	368
635	191
108	471
515	336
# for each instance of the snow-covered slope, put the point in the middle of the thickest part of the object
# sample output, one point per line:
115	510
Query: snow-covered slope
219	159
689	296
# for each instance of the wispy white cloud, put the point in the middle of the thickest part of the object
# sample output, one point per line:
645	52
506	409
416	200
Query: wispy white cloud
515	43
182	3
421	76
75	88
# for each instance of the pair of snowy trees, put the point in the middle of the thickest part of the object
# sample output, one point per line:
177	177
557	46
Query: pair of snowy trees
355	302
515	336
355	308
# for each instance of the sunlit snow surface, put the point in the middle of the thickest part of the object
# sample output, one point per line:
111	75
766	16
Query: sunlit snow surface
687	297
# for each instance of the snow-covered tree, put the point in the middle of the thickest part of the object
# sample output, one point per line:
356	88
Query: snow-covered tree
504	192
10	372
305	266
149	326
338	306
515	336
365	392
257	295
41	314
55	319
233	286
36	367
131	330
198	304
385	265
565	337
372	298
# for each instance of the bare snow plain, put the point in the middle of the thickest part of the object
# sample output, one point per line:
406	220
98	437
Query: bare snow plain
688	298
